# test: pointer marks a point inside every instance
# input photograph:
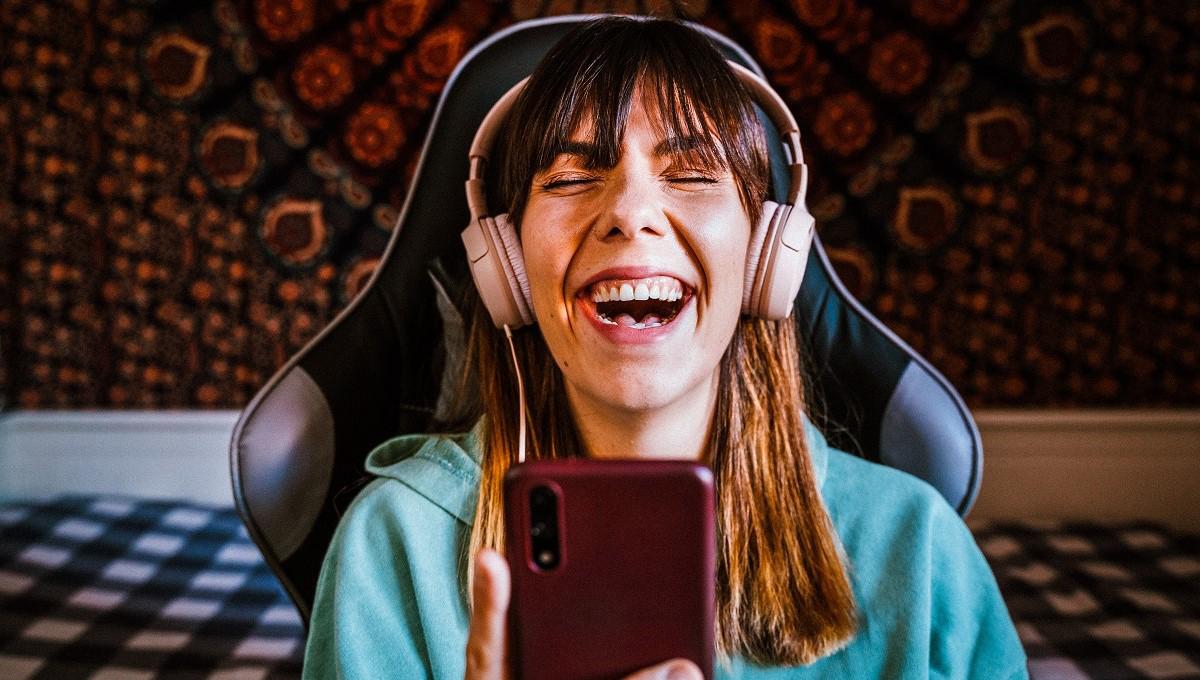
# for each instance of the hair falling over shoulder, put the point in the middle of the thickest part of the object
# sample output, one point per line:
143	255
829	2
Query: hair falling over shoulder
783	594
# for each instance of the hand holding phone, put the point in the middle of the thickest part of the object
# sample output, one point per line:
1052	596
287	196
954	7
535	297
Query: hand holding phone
487	637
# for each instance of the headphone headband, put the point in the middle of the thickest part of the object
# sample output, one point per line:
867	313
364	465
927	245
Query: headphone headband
760	92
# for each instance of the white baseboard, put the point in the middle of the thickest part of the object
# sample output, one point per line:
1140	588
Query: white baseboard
1104	465
146	454
1091	465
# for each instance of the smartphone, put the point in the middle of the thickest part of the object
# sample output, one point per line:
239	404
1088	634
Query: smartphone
613	566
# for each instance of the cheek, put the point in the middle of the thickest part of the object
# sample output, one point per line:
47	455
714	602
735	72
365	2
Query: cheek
733	266
546	253
724	254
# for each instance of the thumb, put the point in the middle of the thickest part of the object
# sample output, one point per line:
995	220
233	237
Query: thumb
487	639
675	669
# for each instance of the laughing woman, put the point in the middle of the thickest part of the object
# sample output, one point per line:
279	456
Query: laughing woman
633	159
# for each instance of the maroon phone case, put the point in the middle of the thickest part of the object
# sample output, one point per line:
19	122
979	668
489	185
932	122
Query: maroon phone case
636	581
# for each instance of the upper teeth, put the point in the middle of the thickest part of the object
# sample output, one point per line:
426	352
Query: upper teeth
656	288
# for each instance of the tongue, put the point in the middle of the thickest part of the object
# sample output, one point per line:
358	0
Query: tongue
647	321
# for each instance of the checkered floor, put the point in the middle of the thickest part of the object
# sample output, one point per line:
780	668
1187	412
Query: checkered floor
117	589
1100	601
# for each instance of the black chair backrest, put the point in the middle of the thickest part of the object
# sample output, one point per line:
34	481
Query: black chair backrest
376	370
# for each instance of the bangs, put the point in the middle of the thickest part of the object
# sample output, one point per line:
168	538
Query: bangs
691	129
586	84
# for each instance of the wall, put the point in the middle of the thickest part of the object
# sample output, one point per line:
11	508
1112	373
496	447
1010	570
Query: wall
191	190
1090	465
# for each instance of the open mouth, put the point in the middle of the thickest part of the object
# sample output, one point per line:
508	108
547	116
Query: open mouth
638	303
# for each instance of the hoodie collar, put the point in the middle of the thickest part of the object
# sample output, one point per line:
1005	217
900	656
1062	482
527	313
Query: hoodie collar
445	469
818	451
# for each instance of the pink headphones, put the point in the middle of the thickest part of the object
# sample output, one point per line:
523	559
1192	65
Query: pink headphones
775	262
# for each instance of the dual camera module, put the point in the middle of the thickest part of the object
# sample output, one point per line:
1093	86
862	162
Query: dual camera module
543	527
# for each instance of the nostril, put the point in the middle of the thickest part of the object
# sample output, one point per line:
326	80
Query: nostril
652	231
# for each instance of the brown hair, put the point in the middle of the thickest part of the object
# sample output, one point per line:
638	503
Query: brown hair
783	596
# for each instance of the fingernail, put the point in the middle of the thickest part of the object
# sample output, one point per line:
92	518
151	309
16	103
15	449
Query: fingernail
490	560
681	671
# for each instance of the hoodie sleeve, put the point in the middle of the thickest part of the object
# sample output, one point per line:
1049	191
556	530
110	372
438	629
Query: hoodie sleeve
973	634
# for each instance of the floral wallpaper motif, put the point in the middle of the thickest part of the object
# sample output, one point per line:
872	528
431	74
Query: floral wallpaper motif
190	191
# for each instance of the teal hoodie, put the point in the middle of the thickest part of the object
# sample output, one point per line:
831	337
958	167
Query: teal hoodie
391	601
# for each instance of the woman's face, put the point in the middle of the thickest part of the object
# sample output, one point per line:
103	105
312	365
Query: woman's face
636	271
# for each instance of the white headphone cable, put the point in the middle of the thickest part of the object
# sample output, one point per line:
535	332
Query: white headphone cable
520	395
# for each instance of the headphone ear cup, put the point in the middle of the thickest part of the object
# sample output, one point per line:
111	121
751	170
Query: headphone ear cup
515	261
754	256
491	246
782	261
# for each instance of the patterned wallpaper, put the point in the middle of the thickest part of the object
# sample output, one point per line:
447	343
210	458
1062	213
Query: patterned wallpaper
190	191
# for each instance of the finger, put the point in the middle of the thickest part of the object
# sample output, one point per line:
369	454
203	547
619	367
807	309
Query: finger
675	669
487	643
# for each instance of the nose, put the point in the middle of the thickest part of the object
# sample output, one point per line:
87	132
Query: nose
634	209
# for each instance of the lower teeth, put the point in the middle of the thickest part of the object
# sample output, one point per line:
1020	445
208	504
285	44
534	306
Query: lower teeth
627	321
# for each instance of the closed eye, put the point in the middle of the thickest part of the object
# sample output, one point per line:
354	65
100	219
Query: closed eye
682	173
566	182
692	181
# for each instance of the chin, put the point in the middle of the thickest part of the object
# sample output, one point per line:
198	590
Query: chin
638	391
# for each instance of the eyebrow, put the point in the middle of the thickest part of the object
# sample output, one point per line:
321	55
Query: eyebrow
584	150
676	145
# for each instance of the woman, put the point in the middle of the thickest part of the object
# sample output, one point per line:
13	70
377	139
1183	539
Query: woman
633	158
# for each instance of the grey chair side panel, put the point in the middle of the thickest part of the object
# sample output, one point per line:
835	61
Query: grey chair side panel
925	434
286	459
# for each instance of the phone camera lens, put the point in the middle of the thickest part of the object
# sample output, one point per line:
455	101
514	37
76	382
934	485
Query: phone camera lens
543	527
542	497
